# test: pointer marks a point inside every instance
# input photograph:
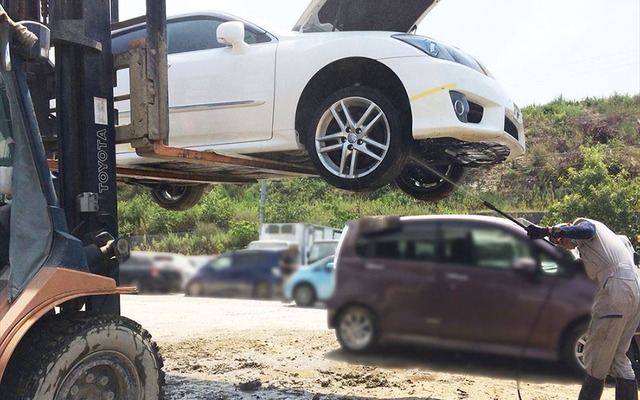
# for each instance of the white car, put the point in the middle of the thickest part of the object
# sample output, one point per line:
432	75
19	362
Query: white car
350	91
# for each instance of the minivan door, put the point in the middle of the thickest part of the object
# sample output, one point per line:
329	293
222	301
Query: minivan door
400	277
483	299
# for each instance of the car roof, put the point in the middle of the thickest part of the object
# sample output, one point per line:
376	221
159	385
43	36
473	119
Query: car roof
392	222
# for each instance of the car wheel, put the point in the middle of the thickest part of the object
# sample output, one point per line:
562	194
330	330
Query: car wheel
262	290
430	183
304	295
357	329
194	289
356	140
85	356
573	348
178	197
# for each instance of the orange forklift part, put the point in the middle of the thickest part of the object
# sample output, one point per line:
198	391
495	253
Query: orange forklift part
49	288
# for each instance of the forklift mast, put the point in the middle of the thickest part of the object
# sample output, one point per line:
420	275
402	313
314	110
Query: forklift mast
80	132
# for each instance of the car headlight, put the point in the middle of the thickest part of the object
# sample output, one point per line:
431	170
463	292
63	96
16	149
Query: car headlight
441	51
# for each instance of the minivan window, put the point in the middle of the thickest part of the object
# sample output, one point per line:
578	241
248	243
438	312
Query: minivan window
411	243
484	247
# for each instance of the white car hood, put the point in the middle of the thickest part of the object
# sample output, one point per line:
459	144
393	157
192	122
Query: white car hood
363	15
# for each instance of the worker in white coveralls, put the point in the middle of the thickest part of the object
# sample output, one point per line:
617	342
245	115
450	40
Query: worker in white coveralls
616	310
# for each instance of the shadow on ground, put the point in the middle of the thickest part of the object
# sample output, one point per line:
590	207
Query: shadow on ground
491	366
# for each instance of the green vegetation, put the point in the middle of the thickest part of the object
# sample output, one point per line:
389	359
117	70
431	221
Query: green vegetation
582	160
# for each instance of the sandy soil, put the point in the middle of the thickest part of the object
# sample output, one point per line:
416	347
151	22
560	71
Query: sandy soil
219	349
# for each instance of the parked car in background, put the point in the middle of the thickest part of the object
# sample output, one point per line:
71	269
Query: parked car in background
239	273
155	271
321	249
462	282
351	94
311	283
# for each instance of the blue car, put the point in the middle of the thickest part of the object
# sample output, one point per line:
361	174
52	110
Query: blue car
239	273
311	283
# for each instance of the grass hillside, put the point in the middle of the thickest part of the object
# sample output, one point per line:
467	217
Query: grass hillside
586	153
554	133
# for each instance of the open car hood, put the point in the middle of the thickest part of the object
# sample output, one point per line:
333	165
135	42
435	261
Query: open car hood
363	15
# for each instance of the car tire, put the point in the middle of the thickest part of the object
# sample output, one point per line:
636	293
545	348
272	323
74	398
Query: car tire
178	197
356	153
304	295
194	289
573	348
83	355
357	329
261	290
431	183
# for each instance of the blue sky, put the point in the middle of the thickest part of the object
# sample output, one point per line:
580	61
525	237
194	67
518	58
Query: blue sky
538	50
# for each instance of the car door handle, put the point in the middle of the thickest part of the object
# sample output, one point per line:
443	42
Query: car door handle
456	277
374	267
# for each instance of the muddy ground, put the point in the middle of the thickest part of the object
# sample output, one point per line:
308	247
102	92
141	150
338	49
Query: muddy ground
219	349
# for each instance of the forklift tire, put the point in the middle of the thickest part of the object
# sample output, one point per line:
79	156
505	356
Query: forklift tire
84	356
178	197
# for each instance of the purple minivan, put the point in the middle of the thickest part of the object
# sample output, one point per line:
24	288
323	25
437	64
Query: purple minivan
462	282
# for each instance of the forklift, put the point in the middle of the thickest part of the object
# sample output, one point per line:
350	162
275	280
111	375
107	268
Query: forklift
61	332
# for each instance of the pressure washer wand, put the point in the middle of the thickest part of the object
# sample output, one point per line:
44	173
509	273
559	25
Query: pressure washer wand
504	214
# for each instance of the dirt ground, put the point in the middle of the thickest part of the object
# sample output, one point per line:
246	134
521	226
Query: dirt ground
219	349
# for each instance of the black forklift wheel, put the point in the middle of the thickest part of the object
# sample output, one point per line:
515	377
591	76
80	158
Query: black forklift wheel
84	356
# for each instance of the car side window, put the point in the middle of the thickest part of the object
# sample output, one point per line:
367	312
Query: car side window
200	34
192	35
221	263
120	43
483	247
411	243
549	265
250	259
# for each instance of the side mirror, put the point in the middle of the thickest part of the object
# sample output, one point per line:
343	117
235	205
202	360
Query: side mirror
231	33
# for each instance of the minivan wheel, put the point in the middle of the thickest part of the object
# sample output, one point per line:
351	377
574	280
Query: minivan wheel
304	295
357	329
573	348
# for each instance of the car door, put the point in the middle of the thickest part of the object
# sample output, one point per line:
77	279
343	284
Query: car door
216	94
483	298
400	274
245	271
218	273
